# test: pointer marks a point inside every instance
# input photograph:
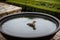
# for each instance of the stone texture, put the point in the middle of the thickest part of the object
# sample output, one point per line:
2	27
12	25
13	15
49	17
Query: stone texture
6	9
57	36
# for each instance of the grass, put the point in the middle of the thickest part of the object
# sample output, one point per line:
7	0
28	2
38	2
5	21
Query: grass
47	6
50	5
51	1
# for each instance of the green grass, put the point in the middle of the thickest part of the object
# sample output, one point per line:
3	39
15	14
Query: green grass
52	1
47	6
50	5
